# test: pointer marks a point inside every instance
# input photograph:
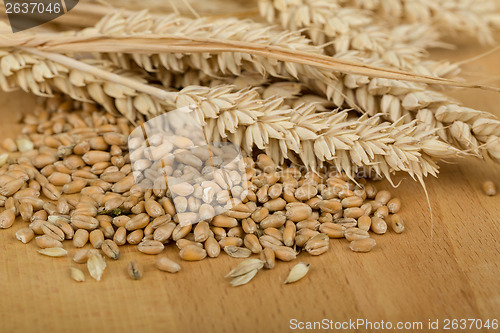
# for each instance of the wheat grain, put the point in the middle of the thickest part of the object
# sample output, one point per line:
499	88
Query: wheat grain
297	272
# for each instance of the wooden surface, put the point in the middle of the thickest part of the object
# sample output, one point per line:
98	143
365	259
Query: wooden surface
408	277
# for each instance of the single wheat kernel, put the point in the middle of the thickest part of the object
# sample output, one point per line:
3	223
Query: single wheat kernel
274	205
150	247
379	226
25	235
167	265
297	272
397	223
96	238
9	145
25	210
230	241
352	202
352	234
183	242
244	279
275	220
237	252
135	237
382	212
120	236
12	204
53	252
259	214
331	206
394	205
362	245
80	238
163	233
181	231
245	266
81	256
364	222
7	218
333	230
318	244
212	247
120	221
96	265
308	224
139	221
268	257
192	253
153	208
45	241
284	253
84	222
252	243
224	221
297	211
346	222
489	188
76	274
289	233
383	197
110	249
306	192
135	270
275	191
353	213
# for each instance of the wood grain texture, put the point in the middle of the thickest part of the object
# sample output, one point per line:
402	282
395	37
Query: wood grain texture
407	277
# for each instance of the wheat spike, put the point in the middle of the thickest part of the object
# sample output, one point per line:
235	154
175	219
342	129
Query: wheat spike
394	99
476	18
299	133
352	29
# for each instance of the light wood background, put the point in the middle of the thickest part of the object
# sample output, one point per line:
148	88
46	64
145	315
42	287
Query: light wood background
407	277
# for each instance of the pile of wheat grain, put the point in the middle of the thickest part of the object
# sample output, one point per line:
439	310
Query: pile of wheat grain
326	85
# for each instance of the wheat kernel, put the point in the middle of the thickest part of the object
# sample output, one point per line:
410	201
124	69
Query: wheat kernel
76	274
297	272
489	188
167	265
135	270
25	235
362	245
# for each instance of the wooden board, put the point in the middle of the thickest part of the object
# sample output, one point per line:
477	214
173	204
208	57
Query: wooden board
409	277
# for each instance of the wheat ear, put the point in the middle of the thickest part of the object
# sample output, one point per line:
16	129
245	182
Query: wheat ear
352	29
246	119
475	18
